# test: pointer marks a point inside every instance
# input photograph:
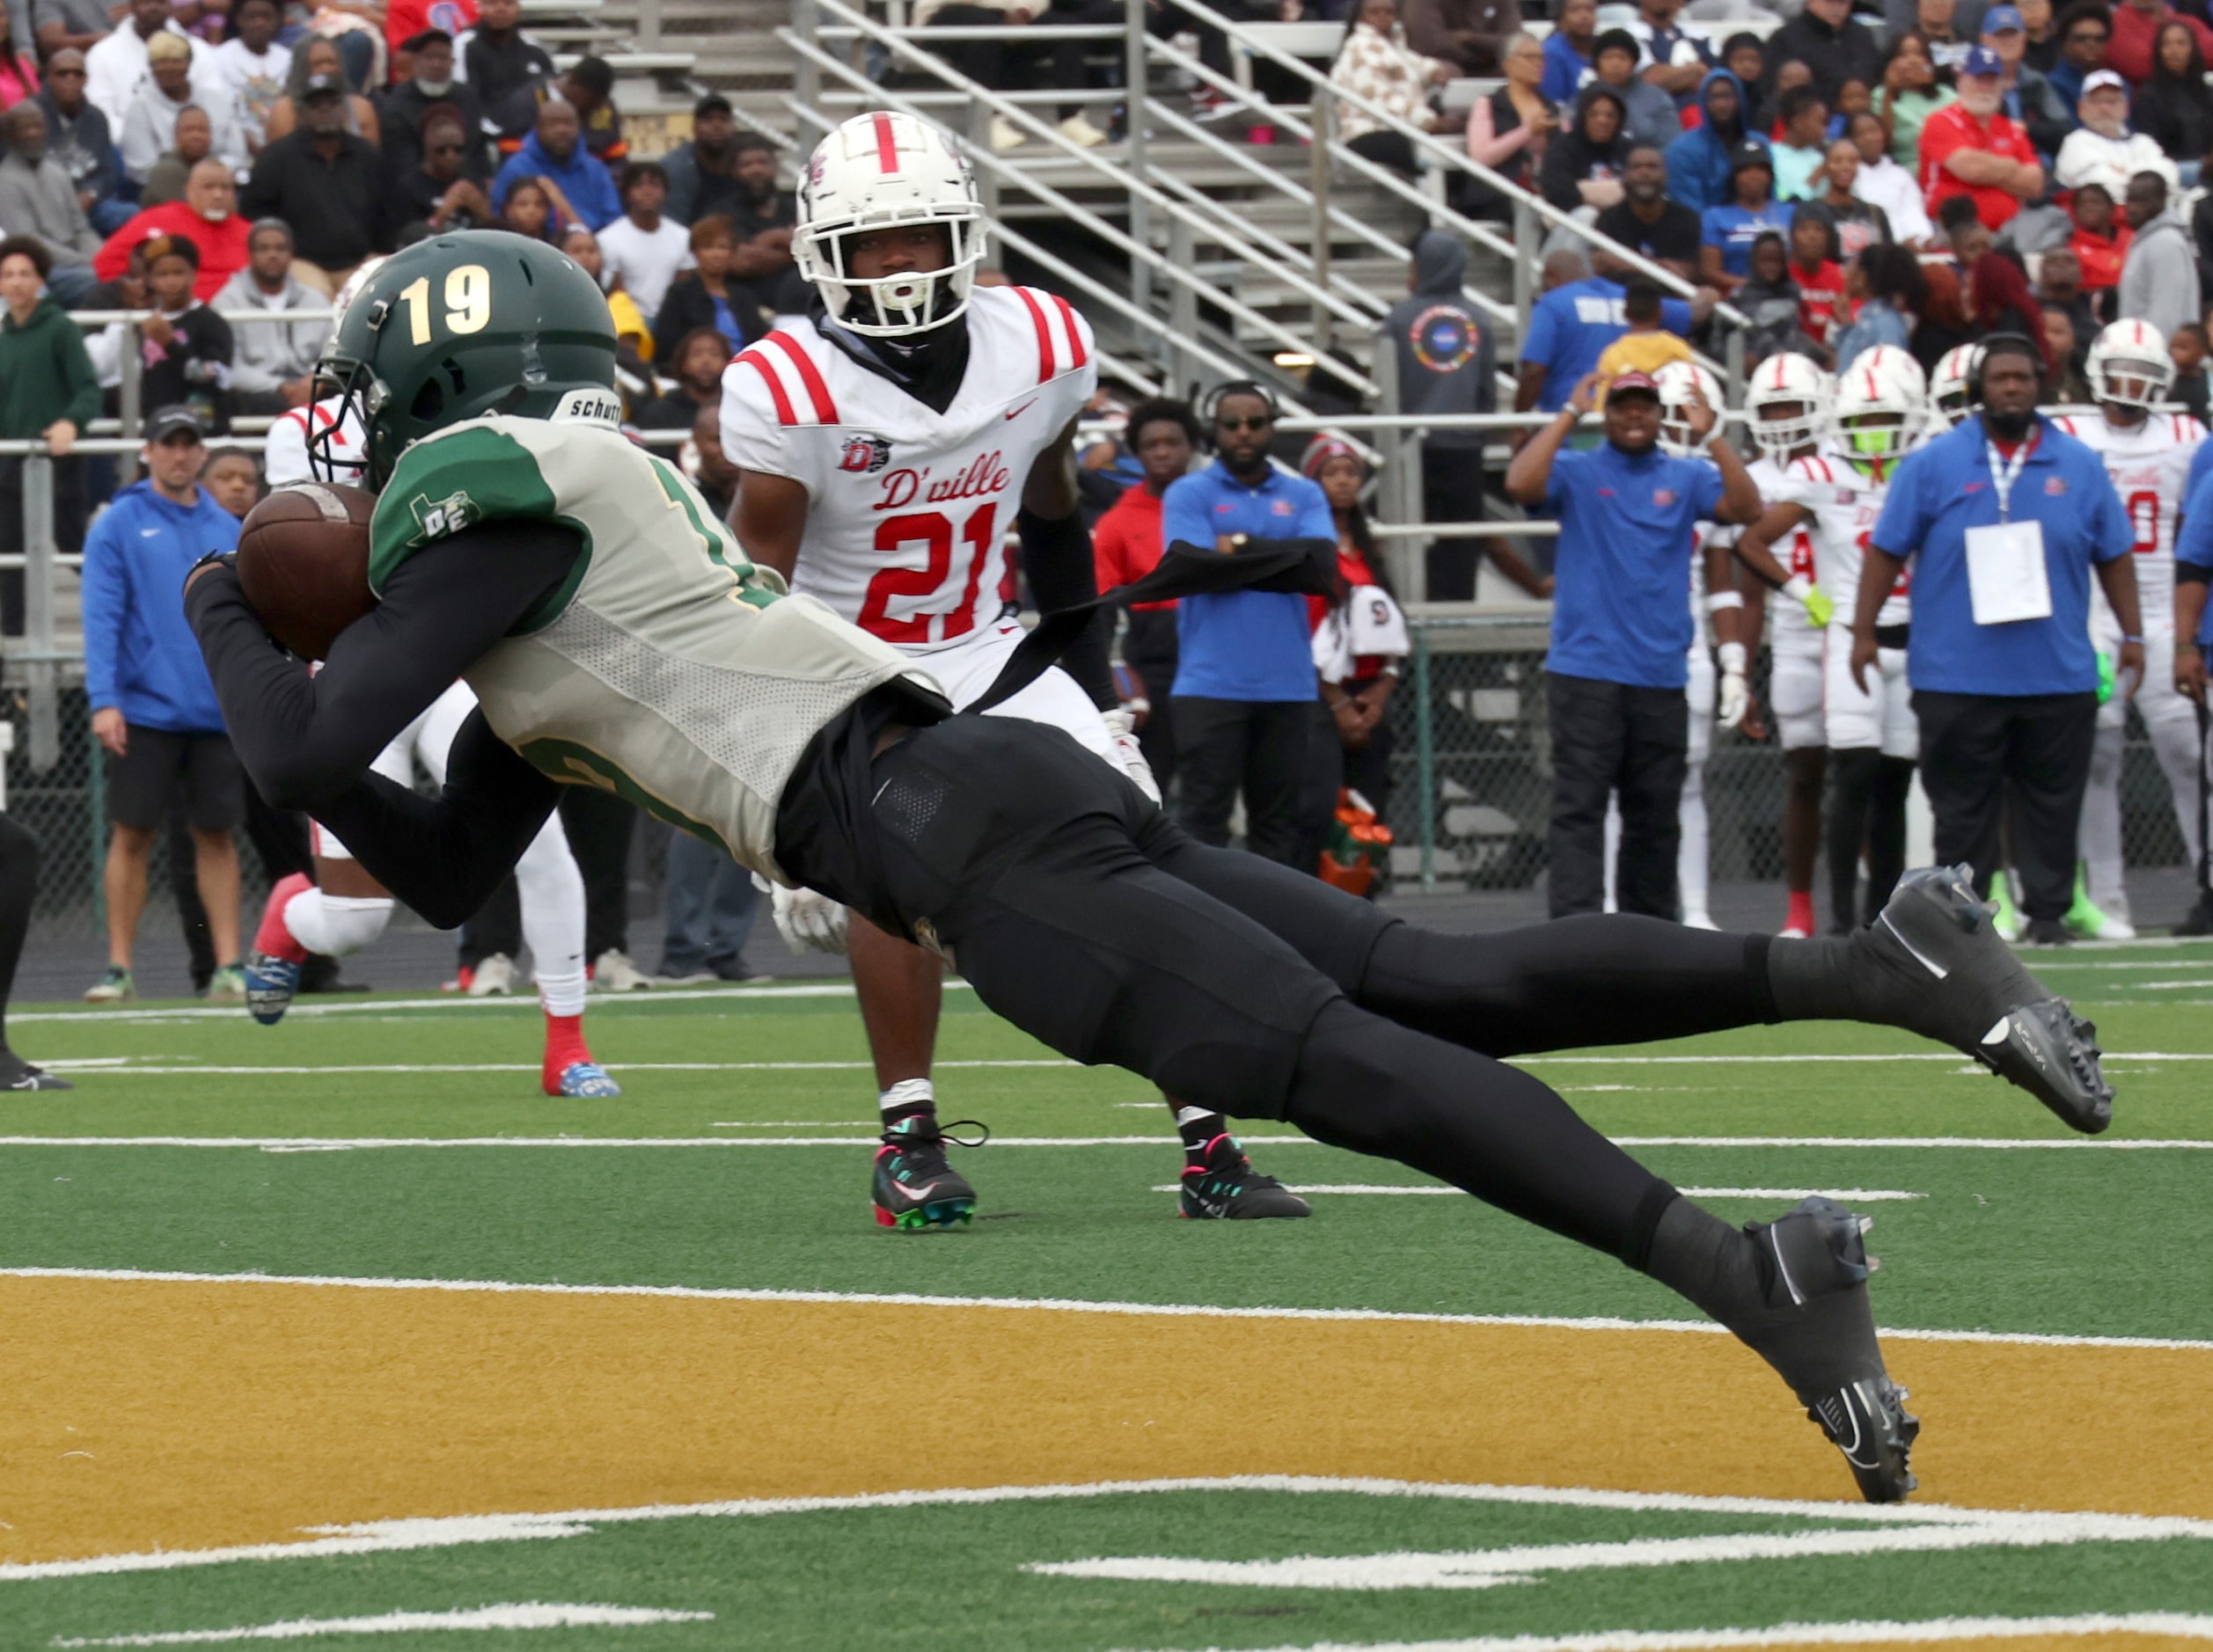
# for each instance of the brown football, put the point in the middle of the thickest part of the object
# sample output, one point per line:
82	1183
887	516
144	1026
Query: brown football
304	563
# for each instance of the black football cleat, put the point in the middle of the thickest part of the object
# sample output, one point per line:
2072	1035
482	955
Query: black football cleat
18	1074
914	1188
1820	1335
2199	919
1933	962
1227	1188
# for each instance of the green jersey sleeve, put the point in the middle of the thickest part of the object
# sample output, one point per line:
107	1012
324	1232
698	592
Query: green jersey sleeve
451	483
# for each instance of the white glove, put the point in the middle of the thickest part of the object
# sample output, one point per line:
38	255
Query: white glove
808	922
1735	698
1122	736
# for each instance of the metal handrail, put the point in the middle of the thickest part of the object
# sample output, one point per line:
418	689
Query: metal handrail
1667	280
981	156
1121	177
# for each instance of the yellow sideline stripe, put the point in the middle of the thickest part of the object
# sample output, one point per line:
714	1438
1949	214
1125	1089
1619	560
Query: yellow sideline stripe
160	1415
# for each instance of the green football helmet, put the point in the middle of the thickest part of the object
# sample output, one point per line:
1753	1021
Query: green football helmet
460	326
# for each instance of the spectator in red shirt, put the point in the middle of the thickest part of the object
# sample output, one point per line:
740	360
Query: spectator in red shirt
208	217
2099	244
1126	546
1972	147
2135	28
1821	308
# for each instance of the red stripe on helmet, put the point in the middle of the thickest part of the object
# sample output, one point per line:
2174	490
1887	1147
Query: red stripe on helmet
887	143
809	375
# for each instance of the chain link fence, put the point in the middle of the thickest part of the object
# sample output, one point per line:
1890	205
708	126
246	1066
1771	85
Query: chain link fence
1472	773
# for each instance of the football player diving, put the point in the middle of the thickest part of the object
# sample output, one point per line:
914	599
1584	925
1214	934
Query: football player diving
617	635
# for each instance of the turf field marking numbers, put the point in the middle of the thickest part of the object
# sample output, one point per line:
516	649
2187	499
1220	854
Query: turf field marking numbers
2172	1625
458	1531
528	1615
1054	1304
1851	1195
1488	1568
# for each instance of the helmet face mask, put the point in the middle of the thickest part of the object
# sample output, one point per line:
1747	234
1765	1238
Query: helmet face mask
1677	381
2129	366
457	327
1788	402
1951	389
1879	405
880	171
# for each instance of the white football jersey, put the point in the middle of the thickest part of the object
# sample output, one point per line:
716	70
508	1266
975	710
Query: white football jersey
1846	503
1795	553
909	510
286	460
2149	464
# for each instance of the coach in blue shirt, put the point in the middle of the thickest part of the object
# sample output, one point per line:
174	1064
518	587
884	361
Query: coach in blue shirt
1245	688
2193	636
2003	519
1622	633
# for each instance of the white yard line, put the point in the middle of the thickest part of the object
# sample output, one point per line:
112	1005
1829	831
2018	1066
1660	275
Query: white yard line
112	1065
2172	1624
453	1531
527	1615
336	1144
453	1001
1046	1304
1856	1196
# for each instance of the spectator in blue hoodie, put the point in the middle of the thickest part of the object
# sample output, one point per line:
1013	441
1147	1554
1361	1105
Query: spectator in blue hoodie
582	189
154	711
1699	161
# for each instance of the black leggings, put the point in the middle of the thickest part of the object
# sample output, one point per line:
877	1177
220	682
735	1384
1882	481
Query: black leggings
1088	918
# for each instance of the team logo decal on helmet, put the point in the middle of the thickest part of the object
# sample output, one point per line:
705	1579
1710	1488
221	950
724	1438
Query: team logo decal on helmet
879	171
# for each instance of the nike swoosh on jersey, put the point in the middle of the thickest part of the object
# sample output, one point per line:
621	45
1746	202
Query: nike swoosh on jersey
1024	409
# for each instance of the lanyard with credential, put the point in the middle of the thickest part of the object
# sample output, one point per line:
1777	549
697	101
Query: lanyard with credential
2002	478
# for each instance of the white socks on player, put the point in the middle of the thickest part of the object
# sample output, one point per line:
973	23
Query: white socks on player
1691	874
552	896
336	924
908	1092
2097	836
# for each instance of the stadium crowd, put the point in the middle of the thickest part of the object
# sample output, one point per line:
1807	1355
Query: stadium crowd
1978	172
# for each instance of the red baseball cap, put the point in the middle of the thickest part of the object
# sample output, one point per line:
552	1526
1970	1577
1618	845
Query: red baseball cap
1643	383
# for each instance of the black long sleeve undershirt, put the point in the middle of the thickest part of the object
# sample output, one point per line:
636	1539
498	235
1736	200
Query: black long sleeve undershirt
1056	554
308	741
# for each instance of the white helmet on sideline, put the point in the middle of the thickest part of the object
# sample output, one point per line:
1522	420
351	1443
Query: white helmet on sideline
1951	387
880	170
1676	381
1880	405
1784	381
2129	366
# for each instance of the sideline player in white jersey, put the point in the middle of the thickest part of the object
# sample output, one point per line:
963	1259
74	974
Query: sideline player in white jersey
342	910
887	446
1951	387
2147	455
1878	412
1786	408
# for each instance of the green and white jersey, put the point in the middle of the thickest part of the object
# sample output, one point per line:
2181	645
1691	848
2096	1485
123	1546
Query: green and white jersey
668	668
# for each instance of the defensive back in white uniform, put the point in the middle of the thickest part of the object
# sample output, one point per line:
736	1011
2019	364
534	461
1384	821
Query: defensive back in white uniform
2147	455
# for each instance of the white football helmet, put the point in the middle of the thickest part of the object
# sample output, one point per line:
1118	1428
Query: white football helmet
877	172
1880	405
1676	381
363	273
1789	380
2129	366
1951	390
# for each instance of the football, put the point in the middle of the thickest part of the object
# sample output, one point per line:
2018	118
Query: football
304	563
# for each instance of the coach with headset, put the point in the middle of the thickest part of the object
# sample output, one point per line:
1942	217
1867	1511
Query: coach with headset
1245	685
2003	518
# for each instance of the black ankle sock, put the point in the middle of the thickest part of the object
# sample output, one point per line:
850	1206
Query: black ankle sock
1700	1257
1198	1129
905	1110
